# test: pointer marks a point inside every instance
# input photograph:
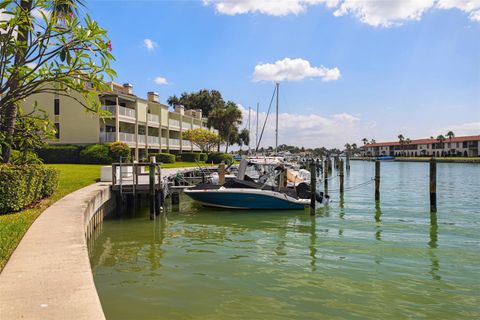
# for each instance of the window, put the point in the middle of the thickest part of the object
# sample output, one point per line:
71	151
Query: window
56	106
57	130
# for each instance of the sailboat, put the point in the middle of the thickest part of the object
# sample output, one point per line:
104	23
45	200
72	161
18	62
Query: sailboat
268	192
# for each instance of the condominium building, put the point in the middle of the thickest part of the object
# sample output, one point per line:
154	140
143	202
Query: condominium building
466	146
145	125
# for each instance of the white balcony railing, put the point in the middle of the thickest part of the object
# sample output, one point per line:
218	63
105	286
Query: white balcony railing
186	144
127	112
110	109
153	140
174	123
153	118
107	137
174	142
141	138
196	126
186	126
164	141
127	137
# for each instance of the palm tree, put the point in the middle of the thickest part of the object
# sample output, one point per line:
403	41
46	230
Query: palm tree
450	135
401	140
354	148
407	141
365	141
441	138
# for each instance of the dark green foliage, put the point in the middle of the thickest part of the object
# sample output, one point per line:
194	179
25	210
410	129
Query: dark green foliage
218	157
203	157
60	154
119	149
96	154
20	186
164	157
27	157
190	157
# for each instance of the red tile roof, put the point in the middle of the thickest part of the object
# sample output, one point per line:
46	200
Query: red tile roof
425	141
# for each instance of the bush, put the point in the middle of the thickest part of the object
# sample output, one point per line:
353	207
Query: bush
190	157
96	154
119	149
28	157
60	154
21	186
203	157
164	157
218	157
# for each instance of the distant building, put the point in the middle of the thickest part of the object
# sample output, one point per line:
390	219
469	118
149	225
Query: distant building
145	125
459	146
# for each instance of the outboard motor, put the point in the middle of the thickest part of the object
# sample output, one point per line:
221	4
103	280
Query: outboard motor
319	196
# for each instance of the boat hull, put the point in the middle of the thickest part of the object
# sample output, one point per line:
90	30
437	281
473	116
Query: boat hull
246	199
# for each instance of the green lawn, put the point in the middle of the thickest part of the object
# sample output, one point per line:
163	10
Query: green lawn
13	226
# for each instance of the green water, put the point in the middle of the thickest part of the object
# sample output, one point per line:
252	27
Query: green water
352	261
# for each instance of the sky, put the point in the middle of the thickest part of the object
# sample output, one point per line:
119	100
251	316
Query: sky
348	69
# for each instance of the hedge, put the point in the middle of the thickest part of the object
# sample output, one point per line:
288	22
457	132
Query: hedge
190	157
218	157
203	157
60	154
96	154
21	186
163	157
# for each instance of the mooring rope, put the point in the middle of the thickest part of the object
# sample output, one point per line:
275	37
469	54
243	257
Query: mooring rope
354	187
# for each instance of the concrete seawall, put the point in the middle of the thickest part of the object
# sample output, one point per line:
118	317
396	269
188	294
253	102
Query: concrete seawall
49	275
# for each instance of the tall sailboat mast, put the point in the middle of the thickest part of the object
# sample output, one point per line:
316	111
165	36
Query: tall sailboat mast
256	135
276	122
249	112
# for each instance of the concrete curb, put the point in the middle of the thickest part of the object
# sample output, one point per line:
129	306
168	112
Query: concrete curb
49	275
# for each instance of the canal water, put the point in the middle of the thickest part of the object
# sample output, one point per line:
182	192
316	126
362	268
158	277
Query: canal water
353	260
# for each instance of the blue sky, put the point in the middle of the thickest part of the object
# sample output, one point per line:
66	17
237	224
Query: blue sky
403	67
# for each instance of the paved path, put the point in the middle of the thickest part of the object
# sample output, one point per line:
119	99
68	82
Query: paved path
49	275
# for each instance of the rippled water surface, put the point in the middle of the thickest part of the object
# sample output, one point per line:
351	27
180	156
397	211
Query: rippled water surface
353	260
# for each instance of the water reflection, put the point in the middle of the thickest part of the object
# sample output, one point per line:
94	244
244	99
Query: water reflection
378	220
313	240
435	263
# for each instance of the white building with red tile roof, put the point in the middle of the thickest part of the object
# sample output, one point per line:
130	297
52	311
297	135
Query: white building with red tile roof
466	146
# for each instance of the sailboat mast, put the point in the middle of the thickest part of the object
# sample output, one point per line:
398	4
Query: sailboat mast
249	112
256	135
276	122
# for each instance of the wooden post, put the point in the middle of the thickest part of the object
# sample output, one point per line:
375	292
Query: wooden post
313	188
325	179
377	180
348	161
341	175
152	187
433	185
221	173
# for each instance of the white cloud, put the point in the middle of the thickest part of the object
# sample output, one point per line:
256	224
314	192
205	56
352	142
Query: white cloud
37	13
150	44
160	81
465	129
378	13
384	13
294	70
308	130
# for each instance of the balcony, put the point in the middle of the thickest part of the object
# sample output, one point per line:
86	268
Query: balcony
196	126
153	141
164	141
127	137
186	126
107	137
127	112
174	124
110	109
174	142
141	138
186	144
153	118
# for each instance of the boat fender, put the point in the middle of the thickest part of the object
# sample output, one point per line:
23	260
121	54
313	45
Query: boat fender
319	196
327	200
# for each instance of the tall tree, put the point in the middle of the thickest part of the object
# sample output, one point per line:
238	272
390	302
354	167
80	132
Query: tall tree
226	120
202	138
46	48
206	100
401	140
450	135
244	137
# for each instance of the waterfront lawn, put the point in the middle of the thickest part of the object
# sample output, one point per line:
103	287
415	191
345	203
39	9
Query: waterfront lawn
13	226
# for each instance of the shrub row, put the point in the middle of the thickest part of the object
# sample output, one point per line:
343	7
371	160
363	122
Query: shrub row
92	154
20	186
164	157
218	157
60	154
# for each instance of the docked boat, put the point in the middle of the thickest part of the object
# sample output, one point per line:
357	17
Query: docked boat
386	158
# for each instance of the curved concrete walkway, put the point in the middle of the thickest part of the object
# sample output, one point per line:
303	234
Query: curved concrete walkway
49	275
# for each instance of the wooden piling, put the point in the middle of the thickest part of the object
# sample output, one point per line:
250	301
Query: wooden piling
341	175
377	180
325	179
313	188
152	187
221	173
348	162
433	185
